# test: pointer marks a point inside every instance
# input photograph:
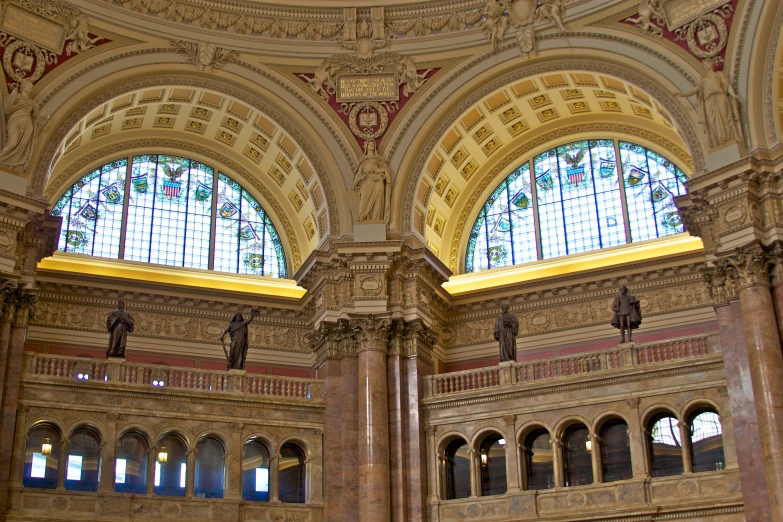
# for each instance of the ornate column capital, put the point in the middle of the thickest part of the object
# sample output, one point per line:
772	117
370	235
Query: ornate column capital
8	291
721	281
397	331
752	266
26	303
371	332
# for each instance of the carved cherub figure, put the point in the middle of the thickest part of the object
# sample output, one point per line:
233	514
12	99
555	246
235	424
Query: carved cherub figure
552	10
323	81
409	76
650	11
78	33
496	22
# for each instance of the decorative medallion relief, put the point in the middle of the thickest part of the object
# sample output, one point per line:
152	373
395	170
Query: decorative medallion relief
37	35
522	15
701	28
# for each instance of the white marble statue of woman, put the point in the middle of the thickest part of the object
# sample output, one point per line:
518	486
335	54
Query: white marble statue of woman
21	120
373	183
718	106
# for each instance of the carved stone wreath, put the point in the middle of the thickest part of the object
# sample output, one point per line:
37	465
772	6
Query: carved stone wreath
367	133
716	18
14	46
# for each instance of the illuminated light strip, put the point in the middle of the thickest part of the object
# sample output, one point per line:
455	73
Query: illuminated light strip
250	284
498	277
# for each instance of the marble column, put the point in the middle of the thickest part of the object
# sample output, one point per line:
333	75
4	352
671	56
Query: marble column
513	484
333	440
595	458
397	462
374	492
274	474
190	472
24	305
762	341
415	365
152	458
685	438
234	462
636	440
350	436
108	454
557	462
7	312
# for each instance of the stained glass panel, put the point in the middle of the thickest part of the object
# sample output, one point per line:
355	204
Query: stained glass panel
170	203
578	198
504	232
92	212
651	183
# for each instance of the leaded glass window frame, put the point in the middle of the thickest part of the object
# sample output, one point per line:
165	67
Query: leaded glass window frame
579	196
143	193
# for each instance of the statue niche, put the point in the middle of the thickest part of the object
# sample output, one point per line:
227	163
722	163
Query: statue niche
372	182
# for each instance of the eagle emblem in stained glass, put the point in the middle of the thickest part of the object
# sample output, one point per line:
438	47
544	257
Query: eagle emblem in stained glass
178	212
584	198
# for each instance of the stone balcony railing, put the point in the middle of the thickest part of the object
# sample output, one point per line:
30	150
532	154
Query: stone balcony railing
137	375
627	356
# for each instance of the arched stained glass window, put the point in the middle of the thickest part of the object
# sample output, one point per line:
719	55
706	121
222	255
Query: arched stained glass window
579	198
171	211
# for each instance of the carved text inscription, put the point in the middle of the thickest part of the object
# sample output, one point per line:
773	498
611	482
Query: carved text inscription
682	12
33	28
358	88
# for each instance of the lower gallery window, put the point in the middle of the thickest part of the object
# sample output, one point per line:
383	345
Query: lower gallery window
615	451
665	446
291	473
255	471
539	460
577	462
706	442
457	479
130	473
209	471
42	456
171	469
83	469
492	453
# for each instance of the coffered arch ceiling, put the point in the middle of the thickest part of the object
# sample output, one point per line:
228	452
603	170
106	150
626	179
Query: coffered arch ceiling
213	127
512	123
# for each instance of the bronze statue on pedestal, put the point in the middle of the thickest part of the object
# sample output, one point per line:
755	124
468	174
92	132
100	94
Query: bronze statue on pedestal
119	323
627	313
506	330
237	331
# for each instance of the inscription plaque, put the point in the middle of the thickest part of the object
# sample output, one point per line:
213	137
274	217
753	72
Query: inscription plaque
33	28
683	12
359	88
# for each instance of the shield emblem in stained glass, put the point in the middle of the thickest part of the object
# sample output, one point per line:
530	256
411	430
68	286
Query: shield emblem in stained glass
504	225
497	254
246	233
172	188
89	212
658	194
202	192
76	238
606	168
671	220
545	182
635	176
139	184
227	210
254	261
575	171
112	194
522	201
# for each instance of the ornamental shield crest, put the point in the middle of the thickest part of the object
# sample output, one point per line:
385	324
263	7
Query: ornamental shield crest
522	12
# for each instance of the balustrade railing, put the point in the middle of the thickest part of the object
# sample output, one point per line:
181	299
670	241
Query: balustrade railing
529	372
171	377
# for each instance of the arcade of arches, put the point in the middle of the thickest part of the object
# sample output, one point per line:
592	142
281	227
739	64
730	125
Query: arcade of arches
375	180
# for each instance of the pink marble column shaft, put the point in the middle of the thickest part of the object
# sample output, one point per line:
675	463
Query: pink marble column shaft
374	502
397	461
415	455
350	433
10	402
743	411
5	335
766	367
333	441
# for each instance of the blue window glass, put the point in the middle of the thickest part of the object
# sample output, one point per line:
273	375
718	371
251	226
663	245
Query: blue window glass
651	182
504	233
92	212
582	203
173	204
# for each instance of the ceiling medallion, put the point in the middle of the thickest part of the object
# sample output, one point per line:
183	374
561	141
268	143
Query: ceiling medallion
523	15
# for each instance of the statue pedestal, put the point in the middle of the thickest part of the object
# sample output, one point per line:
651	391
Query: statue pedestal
236	380
369	231
627	355
113	365
726	154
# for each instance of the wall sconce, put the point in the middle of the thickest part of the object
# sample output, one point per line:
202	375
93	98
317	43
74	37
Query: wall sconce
163	456
158	378
82	370
46	447
483	459
589	445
